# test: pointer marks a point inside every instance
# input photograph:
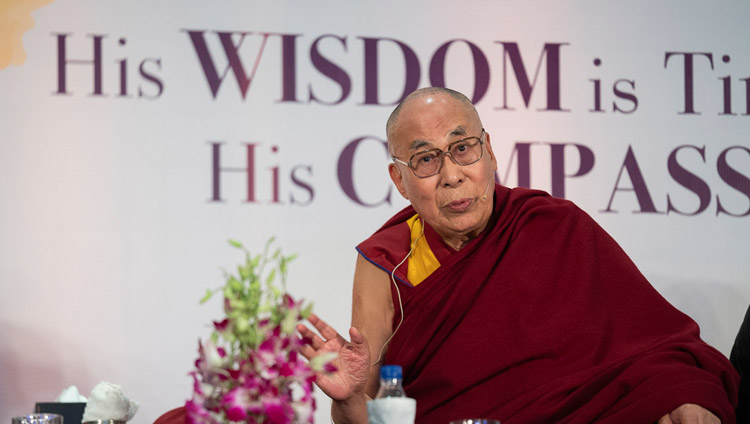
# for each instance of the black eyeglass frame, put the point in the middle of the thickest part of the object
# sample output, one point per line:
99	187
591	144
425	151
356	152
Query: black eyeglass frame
443	153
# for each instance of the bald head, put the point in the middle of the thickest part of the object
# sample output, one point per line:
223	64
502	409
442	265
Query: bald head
422	94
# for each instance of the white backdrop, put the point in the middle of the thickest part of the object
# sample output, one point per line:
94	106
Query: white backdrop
110	227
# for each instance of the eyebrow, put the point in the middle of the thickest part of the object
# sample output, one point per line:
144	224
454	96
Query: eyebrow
459	131
418	144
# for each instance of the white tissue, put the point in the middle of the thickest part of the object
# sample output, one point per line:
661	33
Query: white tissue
70	394
107	402
391	411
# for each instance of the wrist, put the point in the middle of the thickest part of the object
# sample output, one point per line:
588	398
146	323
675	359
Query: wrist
352	410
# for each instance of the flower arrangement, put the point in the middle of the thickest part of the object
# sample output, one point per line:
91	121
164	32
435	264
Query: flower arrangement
249	369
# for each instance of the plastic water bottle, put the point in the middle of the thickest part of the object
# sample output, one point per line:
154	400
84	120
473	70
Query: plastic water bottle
390	382
391	406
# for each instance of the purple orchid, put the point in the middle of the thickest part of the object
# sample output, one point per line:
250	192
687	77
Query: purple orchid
249	369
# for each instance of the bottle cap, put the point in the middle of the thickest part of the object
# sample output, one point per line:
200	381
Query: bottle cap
388	372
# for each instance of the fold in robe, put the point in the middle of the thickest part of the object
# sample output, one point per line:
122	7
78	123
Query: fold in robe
543	319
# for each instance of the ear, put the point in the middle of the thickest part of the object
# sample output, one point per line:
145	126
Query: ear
398	179
487	144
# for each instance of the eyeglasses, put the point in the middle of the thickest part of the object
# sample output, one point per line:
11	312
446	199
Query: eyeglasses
429	162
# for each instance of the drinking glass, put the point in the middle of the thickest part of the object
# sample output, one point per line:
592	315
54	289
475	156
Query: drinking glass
38	419
476	421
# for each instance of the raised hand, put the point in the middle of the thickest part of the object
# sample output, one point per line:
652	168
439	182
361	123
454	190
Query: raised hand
352	364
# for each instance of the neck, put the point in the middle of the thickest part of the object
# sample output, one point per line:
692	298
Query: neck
458	241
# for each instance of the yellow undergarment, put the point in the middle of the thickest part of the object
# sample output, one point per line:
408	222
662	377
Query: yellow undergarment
422	261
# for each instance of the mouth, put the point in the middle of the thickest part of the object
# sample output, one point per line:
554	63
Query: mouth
459	205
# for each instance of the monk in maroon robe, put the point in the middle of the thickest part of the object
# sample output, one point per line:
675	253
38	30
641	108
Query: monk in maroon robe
508	304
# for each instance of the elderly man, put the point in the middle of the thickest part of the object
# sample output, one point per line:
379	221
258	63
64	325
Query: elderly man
507	303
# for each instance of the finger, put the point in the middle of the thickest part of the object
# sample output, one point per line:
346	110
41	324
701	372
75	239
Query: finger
305	332
356	336
359	343
307	351
314	340
323	328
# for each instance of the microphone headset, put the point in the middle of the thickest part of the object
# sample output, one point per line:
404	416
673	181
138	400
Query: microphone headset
398	292
492	178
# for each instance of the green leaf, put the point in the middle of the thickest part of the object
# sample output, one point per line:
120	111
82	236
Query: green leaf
285	260
288	322
252	296
233	283
243	271
305	313
206	296
271	276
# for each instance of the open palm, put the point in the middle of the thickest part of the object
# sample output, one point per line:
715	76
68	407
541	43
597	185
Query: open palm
352	363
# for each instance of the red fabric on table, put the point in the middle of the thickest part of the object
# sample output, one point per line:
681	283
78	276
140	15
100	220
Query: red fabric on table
543	318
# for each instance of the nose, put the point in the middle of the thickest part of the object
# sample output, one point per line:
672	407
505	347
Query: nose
451	173
450	155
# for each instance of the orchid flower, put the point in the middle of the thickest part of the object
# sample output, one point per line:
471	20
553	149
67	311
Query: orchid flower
249	369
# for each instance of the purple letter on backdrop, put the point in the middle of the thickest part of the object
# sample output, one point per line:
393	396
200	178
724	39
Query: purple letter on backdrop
639	185
216	170
371	70
151	77
522	151
688	180
331	70
233	58
62	61
345	170
626	95
289	67
552	52
302	184
558	165
735	180
689	103
481	69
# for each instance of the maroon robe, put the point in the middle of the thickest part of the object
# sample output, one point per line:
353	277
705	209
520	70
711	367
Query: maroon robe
543	319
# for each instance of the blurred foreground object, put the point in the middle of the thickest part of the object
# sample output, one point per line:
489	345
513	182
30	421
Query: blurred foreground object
249	370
